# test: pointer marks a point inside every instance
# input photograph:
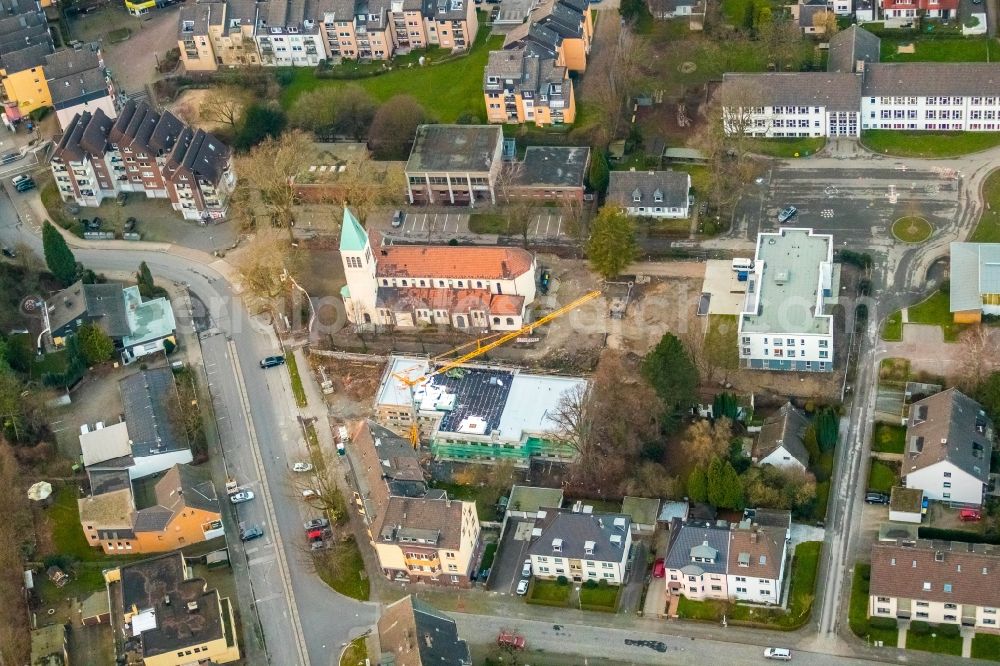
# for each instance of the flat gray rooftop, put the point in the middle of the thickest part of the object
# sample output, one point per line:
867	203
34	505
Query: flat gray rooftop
792	262
462	148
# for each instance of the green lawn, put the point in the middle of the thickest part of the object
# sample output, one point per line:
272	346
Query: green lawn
485	498
935	310
709	611
894	371
986	646
799	147
942	50
888	438
930	643
355	654
912	229
861	625
487	223
721	344
548	593
293	371
988	229
601	598
446	91
928	144
343	569
883	476
489	554
892	330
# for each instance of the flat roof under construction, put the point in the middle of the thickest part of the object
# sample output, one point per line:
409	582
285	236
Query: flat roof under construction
481	399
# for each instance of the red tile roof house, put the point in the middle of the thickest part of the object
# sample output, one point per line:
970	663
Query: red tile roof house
898	12
469	288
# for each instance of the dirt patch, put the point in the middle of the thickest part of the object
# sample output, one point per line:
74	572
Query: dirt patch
354	384
187	105
906	48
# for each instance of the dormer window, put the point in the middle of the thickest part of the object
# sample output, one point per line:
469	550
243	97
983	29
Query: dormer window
557	545
658	196
636	196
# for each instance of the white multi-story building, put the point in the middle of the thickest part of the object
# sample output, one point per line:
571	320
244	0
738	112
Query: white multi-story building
860	93
580	546
469	288
287	35
937	582
784	324
949	441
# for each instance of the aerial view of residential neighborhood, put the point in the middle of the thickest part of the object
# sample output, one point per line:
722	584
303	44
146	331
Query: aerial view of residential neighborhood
499	332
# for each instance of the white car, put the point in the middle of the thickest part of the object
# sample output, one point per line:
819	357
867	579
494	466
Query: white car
781	654
242	496
307	493
526	569
522	587
302	467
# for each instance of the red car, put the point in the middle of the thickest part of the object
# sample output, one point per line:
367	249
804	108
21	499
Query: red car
510	639
315	535
659	570
970	515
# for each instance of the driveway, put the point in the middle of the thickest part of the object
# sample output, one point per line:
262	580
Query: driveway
510	557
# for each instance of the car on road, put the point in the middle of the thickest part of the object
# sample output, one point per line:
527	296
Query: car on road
659	569
781	654
10	157
302	467
397	219
526	569
970	515
872	497
522	587
241	496
8	252
510	640
316	523
252	532
787	213
271	361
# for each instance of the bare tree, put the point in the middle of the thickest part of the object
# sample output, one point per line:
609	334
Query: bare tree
978	349
267	179
225	105
15	637
367	184
704	440
782	41
616	77
826	23
394	126
263	260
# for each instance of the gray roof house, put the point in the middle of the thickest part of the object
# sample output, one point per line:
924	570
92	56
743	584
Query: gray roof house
697	549
580	540
780	441
949	440
660	194
975	280
852	50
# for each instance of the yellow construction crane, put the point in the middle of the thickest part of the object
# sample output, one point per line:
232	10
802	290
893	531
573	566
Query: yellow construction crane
483	345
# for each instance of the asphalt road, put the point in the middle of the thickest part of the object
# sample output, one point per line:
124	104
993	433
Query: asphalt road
290	615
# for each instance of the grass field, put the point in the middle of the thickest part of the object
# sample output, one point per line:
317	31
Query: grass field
485	498
858	613
942	50
912	229
293	372
988	229
986	646
928	144
602	598
892	330
888	438
343	569
799	147
355	654
548	593
894	371
447	91
930	643
487	223
883	476
935	311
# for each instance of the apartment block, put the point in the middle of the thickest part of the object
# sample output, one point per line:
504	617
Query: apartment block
218	34
454	164
24	43
942	582
785	323
143	151
288	34
580	546
527	85
78	82
562	28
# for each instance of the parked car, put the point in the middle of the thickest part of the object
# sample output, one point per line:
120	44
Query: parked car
511	640
302	467
309	492
872	497
251	532
272	361
8	252
787	213
924	506
659	569
546	280
130	225
522	587
92	225
781	654
241	496
22	182
397	219
526	569
316	523
317	534
10	157
969	515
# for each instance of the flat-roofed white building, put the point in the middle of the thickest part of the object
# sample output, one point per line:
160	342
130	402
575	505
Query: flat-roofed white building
784	324
478	413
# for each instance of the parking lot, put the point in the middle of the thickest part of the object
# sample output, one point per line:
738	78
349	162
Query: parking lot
510	557
856	205
548	225
432	225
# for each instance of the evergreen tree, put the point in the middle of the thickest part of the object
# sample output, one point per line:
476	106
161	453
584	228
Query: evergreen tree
58	257
95	345
725	405
144	278
669	369
697	486
827	428
732	488
611	246
715	481
600	173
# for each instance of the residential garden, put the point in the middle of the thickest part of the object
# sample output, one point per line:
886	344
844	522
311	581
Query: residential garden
592	595
875	630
